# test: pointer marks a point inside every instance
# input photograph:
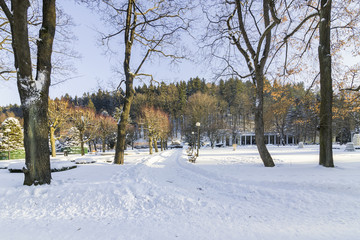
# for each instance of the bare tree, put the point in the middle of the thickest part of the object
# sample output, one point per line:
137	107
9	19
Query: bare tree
33	92
148	27
62	53
337	28
248	26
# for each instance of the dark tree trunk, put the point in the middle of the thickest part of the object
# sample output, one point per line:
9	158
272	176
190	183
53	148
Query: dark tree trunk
121	133
33	93
82	143
94	143
326	93
129	91
90	149
103	143
150	145
259	122
155	145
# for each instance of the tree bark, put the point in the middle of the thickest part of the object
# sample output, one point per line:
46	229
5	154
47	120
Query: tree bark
326	92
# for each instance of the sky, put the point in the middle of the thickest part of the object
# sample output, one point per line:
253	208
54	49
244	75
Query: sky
94	68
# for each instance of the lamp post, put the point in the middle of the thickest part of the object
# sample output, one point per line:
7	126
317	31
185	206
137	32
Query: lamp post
192	141
198	147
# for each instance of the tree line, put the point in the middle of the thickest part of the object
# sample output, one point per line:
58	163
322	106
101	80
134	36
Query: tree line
162	111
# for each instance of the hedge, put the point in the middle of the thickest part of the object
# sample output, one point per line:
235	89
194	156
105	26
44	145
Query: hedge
14	154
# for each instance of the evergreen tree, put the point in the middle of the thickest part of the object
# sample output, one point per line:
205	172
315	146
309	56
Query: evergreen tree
12	137
91	105
72	138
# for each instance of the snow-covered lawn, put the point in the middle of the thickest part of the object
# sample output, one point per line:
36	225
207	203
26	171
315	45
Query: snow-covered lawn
225	195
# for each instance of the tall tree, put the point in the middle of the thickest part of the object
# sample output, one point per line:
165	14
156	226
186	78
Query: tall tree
151	25
33	92
255	53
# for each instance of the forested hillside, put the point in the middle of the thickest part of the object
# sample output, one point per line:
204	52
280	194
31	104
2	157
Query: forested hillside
227	104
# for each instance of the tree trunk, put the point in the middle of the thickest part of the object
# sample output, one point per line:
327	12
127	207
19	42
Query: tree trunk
103	143
212	142
326	92
33	93
259	122
52	141
129	91
155	145
121	133
94	143
82	144
150	145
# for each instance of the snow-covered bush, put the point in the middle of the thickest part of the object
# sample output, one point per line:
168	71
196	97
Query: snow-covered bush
12	135
72	139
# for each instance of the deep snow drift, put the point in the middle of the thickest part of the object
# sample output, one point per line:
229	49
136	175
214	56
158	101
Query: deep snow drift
225	195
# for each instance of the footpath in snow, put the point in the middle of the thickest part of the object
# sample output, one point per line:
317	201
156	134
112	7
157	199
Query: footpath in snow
225	195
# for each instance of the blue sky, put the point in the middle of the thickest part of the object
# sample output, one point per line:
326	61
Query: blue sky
94	68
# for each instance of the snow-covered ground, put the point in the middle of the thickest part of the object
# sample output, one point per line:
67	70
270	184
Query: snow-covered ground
226	194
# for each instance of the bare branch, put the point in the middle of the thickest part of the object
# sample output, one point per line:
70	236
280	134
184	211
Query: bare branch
6	10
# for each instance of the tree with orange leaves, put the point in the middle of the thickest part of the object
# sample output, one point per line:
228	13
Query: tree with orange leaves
83	120
58	114
156	123
106	126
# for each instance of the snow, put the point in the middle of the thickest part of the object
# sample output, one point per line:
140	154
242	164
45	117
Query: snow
226	194
34	88
40	83
84	160
55	165
10	120
257	102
